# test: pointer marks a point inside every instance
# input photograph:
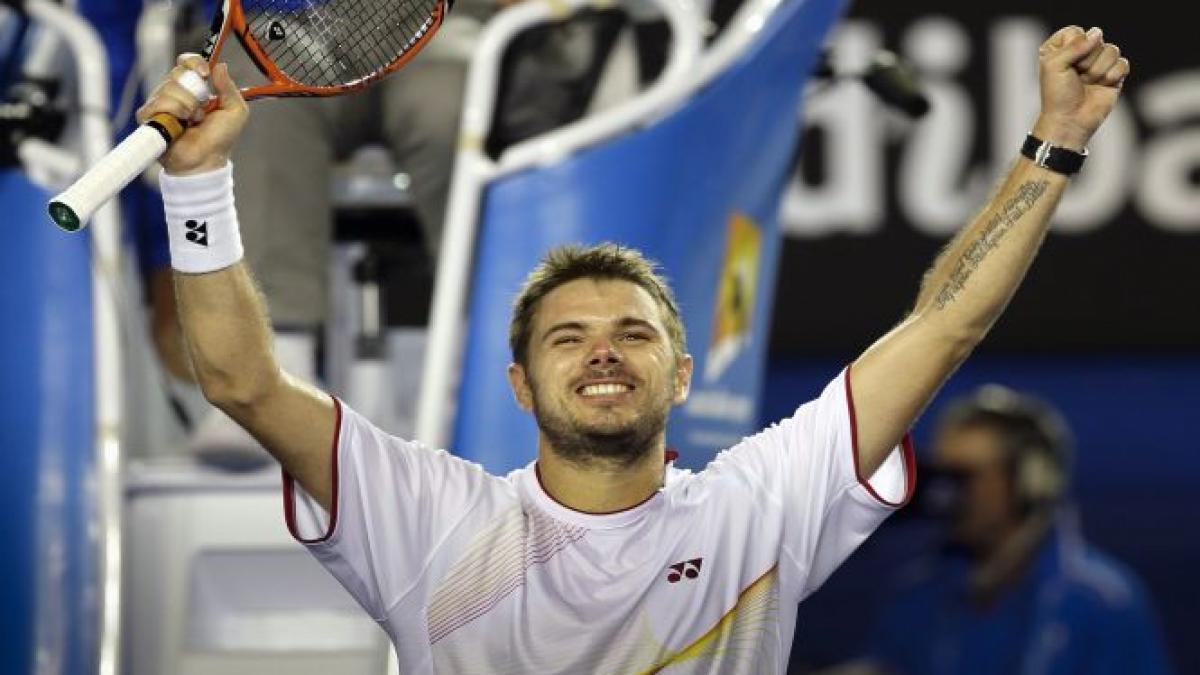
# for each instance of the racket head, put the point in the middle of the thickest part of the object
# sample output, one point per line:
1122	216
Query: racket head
324	47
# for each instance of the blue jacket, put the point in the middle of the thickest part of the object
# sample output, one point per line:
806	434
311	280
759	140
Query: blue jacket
1075	610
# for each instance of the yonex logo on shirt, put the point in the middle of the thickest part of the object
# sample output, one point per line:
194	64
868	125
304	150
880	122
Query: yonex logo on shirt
688	568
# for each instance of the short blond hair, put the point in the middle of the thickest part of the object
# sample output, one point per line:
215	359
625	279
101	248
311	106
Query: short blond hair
602	261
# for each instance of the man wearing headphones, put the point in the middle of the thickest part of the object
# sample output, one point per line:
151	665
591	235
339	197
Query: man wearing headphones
1016	590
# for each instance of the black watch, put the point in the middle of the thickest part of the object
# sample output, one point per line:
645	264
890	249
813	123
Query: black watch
1053	157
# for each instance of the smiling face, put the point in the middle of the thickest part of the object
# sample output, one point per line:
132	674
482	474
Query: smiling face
601	373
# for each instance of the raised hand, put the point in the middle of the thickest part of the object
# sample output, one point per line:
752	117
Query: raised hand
1081	78
206	143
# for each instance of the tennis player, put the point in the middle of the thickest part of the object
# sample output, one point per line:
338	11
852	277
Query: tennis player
601	557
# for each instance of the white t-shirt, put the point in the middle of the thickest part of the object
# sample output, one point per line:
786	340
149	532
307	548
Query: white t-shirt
474	573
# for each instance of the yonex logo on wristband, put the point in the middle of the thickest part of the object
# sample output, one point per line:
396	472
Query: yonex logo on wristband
197	233
198	206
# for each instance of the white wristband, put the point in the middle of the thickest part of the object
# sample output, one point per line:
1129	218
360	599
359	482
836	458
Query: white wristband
202	224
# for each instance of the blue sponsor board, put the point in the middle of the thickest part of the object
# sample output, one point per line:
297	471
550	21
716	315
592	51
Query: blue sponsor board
698	191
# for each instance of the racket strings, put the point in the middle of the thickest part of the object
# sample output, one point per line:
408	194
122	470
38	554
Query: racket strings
332	43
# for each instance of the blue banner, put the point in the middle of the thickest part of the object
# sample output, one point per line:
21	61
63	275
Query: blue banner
698	190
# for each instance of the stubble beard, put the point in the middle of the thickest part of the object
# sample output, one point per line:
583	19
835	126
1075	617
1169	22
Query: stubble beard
620	446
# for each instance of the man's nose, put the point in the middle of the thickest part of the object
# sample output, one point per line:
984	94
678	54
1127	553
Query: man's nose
604	354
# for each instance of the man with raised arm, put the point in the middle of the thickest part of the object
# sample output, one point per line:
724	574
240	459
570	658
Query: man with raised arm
600	556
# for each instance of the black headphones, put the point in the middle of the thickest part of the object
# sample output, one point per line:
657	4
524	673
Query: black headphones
1036	437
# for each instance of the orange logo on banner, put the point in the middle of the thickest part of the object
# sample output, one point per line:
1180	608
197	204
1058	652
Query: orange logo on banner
734	311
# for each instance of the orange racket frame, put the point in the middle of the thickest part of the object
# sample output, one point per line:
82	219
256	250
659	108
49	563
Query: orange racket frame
72	208
233	20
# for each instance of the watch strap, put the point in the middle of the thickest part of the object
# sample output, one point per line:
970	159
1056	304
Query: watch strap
1053	157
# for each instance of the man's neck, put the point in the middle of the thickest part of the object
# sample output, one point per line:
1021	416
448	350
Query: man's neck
598	485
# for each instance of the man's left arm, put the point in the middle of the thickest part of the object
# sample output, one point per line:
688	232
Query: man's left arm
977	273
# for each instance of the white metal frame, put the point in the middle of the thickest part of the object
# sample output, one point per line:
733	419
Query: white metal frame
687	71
95	133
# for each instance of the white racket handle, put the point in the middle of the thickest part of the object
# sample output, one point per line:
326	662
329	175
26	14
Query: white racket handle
72	209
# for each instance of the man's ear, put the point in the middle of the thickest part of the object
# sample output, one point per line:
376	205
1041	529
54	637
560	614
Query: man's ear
683	379
520	386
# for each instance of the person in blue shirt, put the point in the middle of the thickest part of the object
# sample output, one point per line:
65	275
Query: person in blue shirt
1016	589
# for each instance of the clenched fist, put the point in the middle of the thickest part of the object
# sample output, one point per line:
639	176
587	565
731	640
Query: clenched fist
1081	78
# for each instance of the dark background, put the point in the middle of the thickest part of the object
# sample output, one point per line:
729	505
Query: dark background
1129	284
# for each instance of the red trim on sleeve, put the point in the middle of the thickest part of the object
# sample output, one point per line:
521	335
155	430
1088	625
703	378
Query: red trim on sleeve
906	444
289	487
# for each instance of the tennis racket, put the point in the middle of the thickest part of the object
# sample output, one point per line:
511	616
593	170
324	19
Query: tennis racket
302	47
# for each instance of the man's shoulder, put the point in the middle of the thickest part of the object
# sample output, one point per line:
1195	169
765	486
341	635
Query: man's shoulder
722	475
732	498
1099	582
360	433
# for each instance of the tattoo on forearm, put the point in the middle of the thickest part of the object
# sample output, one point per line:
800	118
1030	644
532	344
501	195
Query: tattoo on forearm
1000	223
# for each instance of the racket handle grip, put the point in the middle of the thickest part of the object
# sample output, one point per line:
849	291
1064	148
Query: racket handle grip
72	209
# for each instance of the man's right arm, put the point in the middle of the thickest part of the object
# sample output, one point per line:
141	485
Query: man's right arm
224	317
229	340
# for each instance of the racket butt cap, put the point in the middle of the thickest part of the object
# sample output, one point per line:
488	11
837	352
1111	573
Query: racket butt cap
64	216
